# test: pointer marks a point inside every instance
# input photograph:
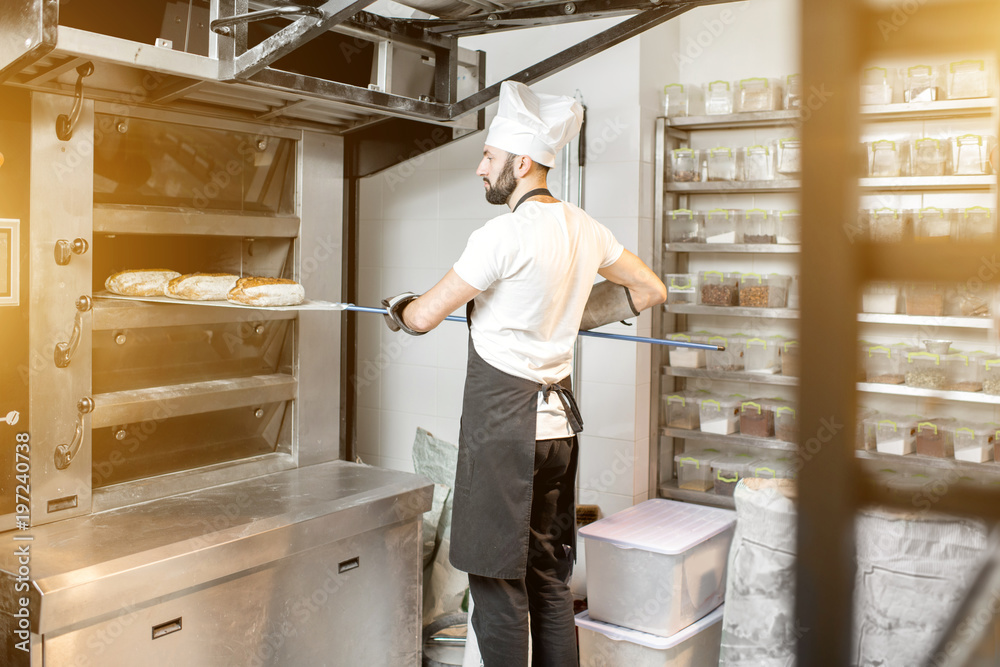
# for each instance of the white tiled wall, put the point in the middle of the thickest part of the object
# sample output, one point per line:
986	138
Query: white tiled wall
415	220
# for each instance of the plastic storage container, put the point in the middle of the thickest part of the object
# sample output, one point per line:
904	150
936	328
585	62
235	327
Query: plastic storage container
968	79
934	439
887	225
718	98
604	644
761	355
681	409
864	438
719	289
925	300
793	91
676	100
933	224
786	423
763	291
767	468
921	83
885	364
789	226
685	226
730	359
694	469
876	86
658	566
720	414
790	358
991	375
723	226
729	470
759	226
975	224
885	158
964	372
970	154
758	94
880	297
896	435
929	157
754	163
721	164
973	440
788	157
685	165
686	357
682	288
757	418
925	371
970	300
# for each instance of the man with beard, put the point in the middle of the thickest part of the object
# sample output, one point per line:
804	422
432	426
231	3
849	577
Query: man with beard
527	278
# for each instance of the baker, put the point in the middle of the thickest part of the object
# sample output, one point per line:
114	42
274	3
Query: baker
527	278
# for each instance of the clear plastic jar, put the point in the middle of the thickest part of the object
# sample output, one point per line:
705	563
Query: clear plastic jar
964	372
686	226
921	83
876	86
789	226
884	158
718	289
680	409
755	163
723	226
933	439
929	157
864	438
682	288
786	423
896	435
759	226
762	354
687	357
885	365
694	469
973	440
758	94
968	79
730	359
675	100
793	91
934	224
721	164
970	154
718	98
685	165
720	414
788	156
763	291
991	376
924	300
925	371
887	225
729	470
880	297
975	224
790	358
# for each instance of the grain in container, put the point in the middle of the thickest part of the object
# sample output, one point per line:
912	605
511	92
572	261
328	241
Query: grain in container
764	291
786	423
964	371
758	94
718	289
721	163
694	469
759	226
790	358
757	417
685	165
896	434
727	471
924	299
658	566
925	371
934	438
991	375
885	364
681	408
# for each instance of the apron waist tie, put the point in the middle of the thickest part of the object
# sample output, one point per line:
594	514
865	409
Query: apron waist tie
569	403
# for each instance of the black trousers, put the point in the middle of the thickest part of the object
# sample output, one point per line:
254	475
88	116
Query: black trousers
503	607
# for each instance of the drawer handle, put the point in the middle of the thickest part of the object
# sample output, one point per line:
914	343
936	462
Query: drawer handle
348	565
168	628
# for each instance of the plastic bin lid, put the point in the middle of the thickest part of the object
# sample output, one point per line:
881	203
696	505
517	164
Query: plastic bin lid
661	526
621	634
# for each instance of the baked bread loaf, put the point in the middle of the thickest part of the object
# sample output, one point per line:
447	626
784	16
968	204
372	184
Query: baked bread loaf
140	282
201	286
267	292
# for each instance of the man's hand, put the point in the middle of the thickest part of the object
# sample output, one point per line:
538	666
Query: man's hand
394	318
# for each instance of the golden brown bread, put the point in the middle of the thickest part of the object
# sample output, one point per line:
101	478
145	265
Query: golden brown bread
201	286
140	282
256	291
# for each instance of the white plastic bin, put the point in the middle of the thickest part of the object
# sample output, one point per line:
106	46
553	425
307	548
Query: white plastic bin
658	566
605	645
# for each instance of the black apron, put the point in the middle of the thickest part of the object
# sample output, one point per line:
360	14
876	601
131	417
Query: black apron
496	464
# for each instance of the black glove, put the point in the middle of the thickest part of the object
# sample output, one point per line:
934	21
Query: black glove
394	318
608	302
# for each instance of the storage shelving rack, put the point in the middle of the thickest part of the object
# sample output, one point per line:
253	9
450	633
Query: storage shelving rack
671	132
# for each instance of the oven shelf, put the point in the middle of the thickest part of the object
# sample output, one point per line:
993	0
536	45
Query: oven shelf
159	403
115	314
121	219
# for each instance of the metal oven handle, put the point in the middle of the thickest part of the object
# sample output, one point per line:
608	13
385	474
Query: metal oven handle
64	352
65	454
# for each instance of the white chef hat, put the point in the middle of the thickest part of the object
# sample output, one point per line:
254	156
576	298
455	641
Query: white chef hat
534	124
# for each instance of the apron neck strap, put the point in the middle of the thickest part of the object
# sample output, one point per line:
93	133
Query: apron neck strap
533	193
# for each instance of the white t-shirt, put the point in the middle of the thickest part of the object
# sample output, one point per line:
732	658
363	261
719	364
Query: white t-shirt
535	268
